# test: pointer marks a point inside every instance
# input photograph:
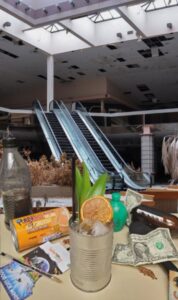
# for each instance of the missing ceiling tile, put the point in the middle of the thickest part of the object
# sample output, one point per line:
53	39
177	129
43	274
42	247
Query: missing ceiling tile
74	67
111	47
156	41
143	87
8	53
150	53
81	73
8	38
150	96
127	93
145	53
121	59
20	81
42	76
153	42
102	70
133	66
57	77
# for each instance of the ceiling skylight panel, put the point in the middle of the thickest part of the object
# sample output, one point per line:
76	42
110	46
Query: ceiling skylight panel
98	18
93	18
171	2
114	13
159	4
150	6
54	28
106	15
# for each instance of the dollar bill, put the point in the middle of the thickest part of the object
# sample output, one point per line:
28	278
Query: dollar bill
155	247
132	199
123	254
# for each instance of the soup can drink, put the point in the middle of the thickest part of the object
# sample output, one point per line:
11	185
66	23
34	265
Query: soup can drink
90	258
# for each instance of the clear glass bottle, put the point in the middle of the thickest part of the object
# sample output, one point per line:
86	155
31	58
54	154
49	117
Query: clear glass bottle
15	182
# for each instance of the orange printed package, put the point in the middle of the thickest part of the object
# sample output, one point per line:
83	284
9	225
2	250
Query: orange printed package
38	228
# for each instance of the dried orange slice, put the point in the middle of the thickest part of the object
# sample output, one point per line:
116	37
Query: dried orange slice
96	208
63	219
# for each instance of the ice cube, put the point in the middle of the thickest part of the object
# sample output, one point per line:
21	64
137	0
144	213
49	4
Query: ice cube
85	227
99	228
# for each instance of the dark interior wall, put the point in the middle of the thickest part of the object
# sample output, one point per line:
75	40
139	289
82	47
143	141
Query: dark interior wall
130	150
127	145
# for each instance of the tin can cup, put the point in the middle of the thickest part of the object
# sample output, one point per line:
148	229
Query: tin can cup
90	258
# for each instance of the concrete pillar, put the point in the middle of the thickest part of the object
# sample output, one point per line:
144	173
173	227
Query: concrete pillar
50	80
147	151
102	107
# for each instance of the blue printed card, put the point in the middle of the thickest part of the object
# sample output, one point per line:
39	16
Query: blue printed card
17	280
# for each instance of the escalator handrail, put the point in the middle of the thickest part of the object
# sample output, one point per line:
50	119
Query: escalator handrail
106	145
48	132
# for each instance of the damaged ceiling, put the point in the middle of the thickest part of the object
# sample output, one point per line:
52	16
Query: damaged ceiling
142	61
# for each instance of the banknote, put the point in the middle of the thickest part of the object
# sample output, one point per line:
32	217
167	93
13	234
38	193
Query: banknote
155	247
123	254
132	199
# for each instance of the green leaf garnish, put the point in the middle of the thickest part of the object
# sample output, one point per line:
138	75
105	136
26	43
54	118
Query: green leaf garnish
78	184
84	189
99	186
86	184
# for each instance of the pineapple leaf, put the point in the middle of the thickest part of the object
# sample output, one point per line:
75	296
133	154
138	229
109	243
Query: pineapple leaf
98	187
86	185
78	183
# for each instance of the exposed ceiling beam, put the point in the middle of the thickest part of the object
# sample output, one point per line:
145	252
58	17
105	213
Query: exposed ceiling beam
53	13
124	14
40	38
152	23
67	25
83	33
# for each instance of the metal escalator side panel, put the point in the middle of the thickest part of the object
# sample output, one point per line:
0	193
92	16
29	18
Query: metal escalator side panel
135	180
47	130
78	141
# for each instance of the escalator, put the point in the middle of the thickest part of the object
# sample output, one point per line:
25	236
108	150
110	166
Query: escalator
77	133
60	134
82	148
90	139
63	134
133	179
